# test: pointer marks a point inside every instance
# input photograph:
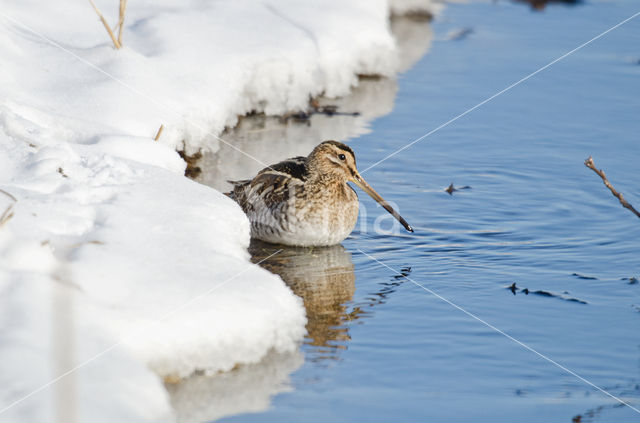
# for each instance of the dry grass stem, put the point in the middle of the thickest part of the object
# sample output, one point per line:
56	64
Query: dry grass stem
15	200
122	11
591	165
159	133
8	213
106	25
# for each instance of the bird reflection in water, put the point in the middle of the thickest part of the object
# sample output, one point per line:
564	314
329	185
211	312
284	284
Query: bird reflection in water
325	280
324	277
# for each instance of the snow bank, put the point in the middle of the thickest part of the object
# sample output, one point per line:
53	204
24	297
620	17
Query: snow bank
113	261
192	66
153	263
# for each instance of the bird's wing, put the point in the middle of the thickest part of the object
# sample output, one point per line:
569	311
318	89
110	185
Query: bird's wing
272	186
294	167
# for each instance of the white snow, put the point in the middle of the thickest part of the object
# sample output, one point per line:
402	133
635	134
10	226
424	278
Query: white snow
153	262
113	261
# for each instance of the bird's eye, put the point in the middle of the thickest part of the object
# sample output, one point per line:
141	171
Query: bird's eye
341	156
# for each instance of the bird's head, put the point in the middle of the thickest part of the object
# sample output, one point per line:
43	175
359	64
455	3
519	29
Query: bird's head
337	160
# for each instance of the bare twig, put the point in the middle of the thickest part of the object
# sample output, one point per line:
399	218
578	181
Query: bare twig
106	25
159	133
591	165
123	9
8	213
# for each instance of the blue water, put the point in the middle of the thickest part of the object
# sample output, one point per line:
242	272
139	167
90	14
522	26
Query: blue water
380	347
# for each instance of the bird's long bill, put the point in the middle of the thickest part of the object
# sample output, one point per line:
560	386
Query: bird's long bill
359	181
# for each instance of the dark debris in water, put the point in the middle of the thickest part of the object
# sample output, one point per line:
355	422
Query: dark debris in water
526	291
459	34
316	109
630	280
579	276
542	4
451	189
415	16
595	414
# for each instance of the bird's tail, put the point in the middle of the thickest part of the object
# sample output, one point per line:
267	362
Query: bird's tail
236	184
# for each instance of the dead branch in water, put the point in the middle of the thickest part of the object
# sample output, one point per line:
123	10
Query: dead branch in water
159	133
591	165
8	213
117	42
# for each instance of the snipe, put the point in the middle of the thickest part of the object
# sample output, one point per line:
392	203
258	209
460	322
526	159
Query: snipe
306	200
